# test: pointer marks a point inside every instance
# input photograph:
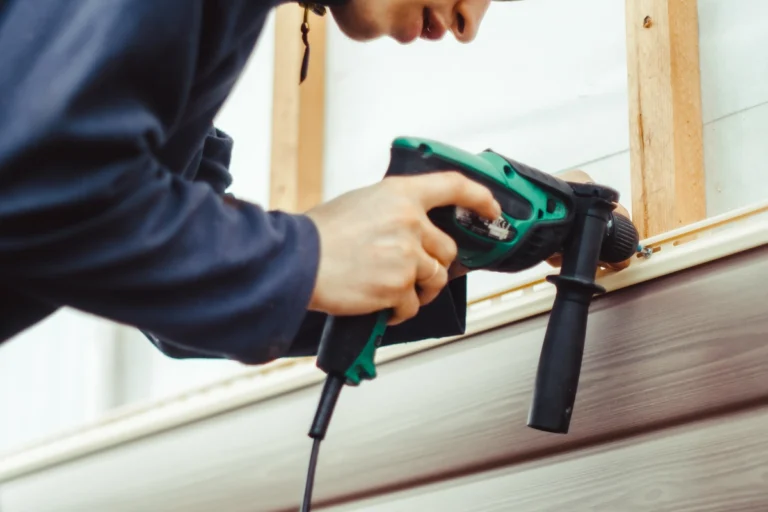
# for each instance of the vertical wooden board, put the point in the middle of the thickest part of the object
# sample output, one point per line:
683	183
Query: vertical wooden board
285	108
312	120
664	94
298	110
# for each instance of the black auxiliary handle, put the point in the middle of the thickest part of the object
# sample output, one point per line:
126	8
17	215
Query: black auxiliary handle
557	378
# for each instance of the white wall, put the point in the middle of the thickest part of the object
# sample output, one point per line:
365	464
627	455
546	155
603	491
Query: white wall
734	83
72	367
54	376
544	83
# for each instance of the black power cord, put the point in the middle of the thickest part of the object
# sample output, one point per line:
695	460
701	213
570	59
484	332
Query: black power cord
328	398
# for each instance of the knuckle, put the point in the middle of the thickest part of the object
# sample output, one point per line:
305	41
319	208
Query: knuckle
399	283
457	182
441	279
387	285
412	220
431	289
406	250
412	213
406	214
411	308
405	309
447	251
394	252
382	290
408	282
391	183
451	249
438	282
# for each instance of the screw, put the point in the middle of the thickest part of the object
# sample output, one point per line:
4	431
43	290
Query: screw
646	252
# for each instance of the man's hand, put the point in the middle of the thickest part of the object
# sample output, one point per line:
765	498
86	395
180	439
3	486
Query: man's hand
379	250
579	176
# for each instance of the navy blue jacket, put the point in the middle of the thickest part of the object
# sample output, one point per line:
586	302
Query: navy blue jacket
113	180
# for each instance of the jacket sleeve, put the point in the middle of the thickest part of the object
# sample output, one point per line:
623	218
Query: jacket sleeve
212	164
90	218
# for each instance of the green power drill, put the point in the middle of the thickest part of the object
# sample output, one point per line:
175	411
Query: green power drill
542	216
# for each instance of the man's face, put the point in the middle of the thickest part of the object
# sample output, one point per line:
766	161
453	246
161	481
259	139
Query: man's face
408	20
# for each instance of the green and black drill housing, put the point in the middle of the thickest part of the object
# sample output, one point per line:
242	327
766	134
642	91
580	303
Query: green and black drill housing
539	209
542	216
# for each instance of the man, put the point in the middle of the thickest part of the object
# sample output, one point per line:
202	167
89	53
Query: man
113	180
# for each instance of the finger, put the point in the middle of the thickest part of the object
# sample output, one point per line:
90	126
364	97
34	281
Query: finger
426	267
431	278
457	270
621	210
556	260
406	309
575	176
437	243
621	265
432	288
451	188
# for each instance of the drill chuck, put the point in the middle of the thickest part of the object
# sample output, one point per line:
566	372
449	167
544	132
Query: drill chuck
621	240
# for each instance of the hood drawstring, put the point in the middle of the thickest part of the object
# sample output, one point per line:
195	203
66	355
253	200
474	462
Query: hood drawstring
320	11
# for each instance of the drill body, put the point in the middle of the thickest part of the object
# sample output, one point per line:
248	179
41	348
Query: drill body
536	208
542	216
539	210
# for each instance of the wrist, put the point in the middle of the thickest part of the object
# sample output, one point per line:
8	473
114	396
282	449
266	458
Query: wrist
311	247
316	300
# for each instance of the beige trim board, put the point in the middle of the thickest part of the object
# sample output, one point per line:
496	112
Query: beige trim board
298	113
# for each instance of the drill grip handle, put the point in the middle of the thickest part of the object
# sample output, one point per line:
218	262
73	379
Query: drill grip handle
348	345
559	369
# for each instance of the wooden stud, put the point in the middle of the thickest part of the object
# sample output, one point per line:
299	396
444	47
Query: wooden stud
666	141
296	177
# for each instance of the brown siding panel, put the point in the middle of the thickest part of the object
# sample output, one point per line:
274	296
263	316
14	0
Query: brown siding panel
659	354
